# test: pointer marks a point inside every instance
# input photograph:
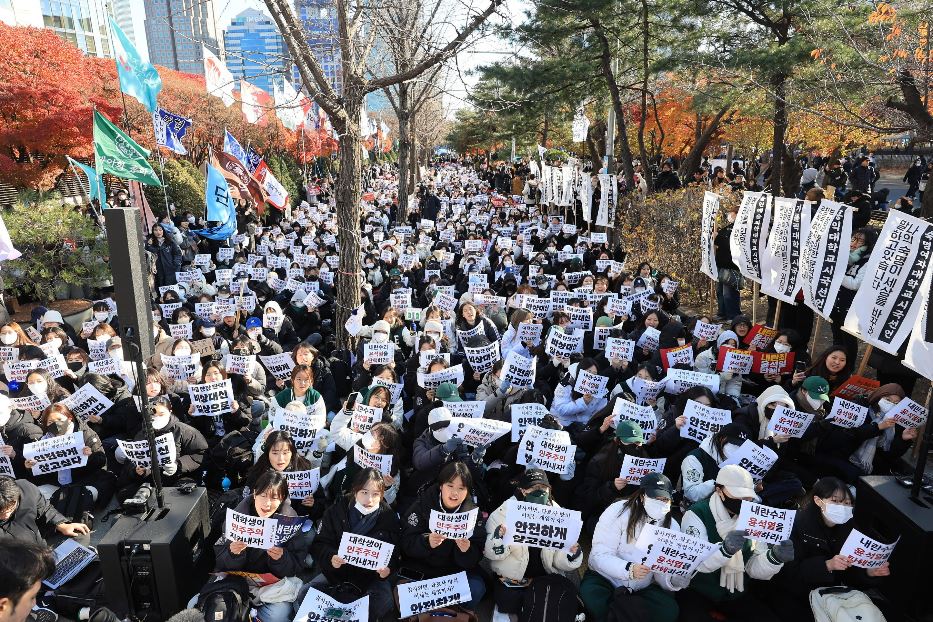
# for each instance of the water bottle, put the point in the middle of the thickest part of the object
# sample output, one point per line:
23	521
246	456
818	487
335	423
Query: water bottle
225	483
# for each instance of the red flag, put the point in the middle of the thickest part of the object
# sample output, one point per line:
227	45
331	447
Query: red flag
256	103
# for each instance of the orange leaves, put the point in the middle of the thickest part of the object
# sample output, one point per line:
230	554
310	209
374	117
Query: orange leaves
815	54
883	13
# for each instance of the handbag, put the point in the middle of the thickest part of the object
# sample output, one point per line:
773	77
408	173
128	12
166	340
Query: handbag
843	604
732	278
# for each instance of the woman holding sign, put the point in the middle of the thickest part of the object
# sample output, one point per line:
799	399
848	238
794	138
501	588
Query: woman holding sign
443	533
820	529
269	499
302	390
362	512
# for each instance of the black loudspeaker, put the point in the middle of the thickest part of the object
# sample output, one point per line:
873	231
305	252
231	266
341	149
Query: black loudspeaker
130	279
884	510
154	564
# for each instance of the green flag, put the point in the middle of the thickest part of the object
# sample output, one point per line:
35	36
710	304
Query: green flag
120	155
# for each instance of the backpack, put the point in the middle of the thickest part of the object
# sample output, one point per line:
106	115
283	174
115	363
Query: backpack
75	503
231	456
551	598
842	604
627	607
226	600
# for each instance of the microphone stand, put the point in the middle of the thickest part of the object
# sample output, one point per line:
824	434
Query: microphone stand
131	347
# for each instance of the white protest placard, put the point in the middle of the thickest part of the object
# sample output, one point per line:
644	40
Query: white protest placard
519	370
847	414
709	332
672	552
138	451
364	417
369	460
708	235
181	331
363	552
239	364
681	355
525	415
17	371
211	398
378	353
865	552
87	401
907	413
789	422
580	317
530	333
279	365
445	302
780	258
9	354
417	597
55	365
105	367
56	453
477	432
472	409
541	526
634	468
482	359
6	467
679	380
180	367
589	383
539	307
302	484
618	307
464	336
400	298
620	349
754	459
549	450
735	361
453	525
319	607
764	523
395	388
435	379
255	532
302	427
750	233
563	345
824	256
30	402
646	390
702	420
624	410
649	339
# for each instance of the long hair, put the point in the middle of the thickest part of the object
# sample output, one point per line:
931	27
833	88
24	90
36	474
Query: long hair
637	515
363	478
818	366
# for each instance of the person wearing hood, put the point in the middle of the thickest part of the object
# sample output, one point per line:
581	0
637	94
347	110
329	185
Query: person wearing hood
573	409
515	565
720	583
269	499
701	466
382	439
16	429
807	180
860	248
820	529
429	554
614	569
53	319
190	448
435	447
882	456
278	327
706	362
602	484
263	345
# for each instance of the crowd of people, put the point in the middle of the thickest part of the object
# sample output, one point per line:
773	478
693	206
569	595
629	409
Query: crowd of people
473	297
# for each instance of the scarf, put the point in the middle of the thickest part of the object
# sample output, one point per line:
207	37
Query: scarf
732	575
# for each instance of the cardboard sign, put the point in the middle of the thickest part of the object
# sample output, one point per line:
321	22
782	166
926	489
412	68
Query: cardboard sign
319	607
478	432
433	380
369	460
672	552
865	552
764	523
703	421
541	526
709	332
846	414
524	416
211	399
417	597
908	413
363	552
681	355
56	453
635	468
788	422
456	525
590	384
302	427
754	459
773	363
649	339
760	336
620	349
279	365
302	484
735	361
549	450
482	359
472	410
138	451
255	532
624	410
679	380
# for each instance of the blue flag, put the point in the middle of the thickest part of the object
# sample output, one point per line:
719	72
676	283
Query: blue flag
138	78
95	181
220	207
169	130
232	147
252	159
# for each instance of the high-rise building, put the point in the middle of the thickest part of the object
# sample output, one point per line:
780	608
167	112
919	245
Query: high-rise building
83	22
319	18
176	30
130	16
255	49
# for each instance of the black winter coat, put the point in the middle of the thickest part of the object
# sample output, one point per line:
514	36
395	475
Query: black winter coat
337	521
19	429
168	261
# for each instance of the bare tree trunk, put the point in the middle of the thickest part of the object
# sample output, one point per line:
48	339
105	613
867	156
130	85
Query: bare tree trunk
691	163
614	91
643	117
404	151
348	282
545	130
779	86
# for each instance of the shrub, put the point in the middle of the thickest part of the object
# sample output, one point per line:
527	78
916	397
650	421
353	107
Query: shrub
184	184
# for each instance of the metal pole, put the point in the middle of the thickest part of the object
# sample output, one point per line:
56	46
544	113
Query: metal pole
168	210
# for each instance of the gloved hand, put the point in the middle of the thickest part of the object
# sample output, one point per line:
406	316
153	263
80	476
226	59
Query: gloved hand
462	452
783	552
733	542
170	468
451	444
504	386
478	453
322	440
679	582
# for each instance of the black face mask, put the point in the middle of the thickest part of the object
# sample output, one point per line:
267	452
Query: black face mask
58	428
733	506
77	367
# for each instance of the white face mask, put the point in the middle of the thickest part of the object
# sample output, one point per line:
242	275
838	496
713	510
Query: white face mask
55	342
380	337
5	416
116	355
8	339
728	449
814	403
39	388
208	332
884	405
182	352
782	348
364	510
253	333
656	509
837	514
101	316
160	422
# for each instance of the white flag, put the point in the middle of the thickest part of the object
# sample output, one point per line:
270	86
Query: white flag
218	78
825	254
780	259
